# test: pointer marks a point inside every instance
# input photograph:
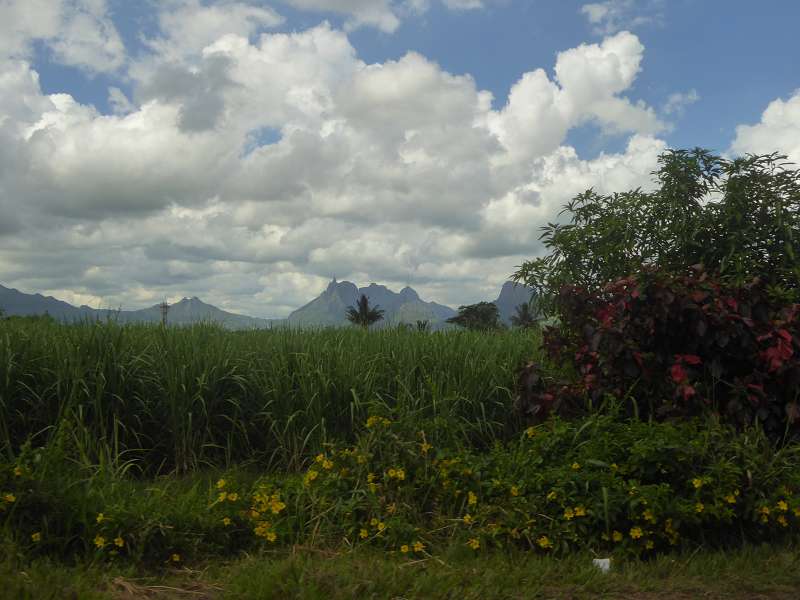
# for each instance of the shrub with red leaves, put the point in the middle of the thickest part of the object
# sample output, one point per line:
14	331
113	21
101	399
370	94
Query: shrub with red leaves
675	346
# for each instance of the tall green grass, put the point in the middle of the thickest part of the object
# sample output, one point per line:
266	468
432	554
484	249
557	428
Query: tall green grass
162	400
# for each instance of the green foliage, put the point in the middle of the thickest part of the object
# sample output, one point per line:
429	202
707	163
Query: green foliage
594	485
739	218
362	314
483	316
154	400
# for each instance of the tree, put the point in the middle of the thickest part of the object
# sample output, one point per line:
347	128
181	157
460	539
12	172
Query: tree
738	218
361	314
524	318
483	316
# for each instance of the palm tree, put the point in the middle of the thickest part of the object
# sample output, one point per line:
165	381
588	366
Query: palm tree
362	314
524	317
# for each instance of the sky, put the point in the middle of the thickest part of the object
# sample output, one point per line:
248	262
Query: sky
247	151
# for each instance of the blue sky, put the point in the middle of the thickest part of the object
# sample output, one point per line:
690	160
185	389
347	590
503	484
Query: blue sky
245	150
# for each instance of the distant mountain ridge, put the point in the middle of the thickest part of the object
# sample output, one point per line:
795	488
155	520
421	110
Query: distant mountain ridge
327	309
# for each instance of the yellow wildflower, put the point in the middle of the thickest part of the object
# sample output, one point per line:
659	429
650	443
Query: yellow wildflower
419	546
544	542
370	477
221	484
319	458
10	498
100	518
569	514
222	496
17	471
233	497
401	474
391	473
404	548
782	506
576	466
648	516
474	543
530	432
636	533
782	520
614	466
472	499
551	495
514	490
730	499
392	508
373	522
617	536
327	464
99	541
271	536
424	447
381	526
175	557
119	542
697	483
468	520
363	534
311	476
580	511
276	506
226	521
764	510
36	537
699	507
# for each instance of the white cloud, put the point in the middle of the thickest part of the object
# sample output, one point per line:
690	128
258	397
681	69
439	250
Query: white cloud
611	16
80	33
394	172
778	131
676	103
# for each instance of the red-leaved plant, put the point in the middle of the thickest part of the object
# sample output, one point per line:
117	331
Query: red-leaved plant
676	346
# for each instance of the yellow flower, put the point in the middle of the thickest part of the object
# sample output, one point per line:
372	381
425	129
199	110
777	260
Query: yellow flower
580	511
374	522
319	458
392	508
222	496
699	507
36	537
514	490
764	510
796	511
221	484
391	473
616	536
569	514
271	536
697	483
381	526
472	499
17	471
119	542
10	498
782	506
175	558
363	534
782	520
404	548
311	476
226	521
576	466
614	466
276	506
370	477
530	432
468	520
544	542
425	447
419	546
401	474
648	516
636	533
100	518
99	541
730	499
551	495
327	464
474	543
233	497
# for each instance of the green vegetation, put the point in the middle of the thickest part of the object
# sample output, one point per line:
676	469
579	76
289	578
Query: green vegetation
362	314
483	316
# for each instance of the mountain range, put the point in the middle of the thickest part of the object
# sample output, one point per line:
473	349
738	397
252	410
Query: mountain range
327	309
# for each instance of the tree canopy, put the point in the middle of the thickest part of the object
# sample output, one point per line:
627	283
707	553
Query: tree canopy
362	314
738	218
524	317
481	316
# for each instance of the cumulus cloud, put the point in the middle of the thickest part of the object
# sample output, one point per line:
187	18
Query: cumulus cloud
677	103
79	33
611	16
397	172
778	131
